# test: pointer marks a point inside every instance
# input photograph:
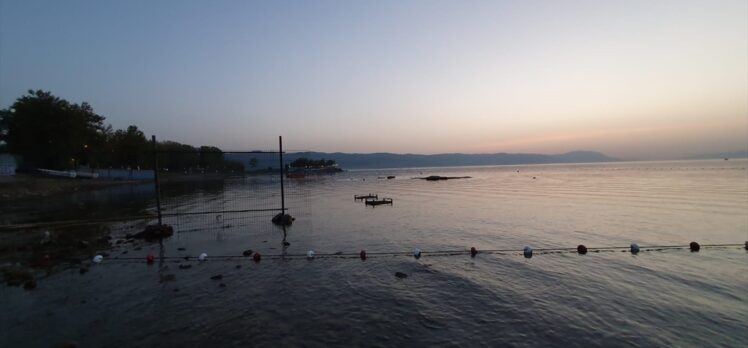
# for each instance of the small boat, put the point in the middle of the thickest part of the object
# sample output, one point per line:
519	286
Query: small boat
374	201
391	177
58	173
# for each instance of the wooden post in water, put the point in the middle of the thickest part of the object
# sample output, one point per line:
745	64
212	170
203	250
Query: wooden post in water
155	179
283	194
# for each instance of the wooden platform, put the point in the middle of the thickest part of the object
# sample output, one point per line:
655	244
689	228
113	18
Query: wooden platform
366	196
374	201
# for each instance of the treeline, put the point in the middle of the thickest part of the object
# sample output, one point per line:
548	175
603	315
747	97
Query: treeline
310	163
49	132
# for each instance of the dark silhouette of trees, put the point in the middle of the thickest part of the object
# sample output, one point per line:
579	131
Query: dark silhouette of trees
49	132
129	148
309	163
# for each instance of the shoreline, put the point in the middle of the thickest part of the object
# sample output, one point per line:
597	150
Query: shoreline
22	186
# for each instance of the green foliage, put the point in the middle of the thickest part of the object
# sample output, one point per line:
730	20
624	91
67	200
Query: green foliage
309	163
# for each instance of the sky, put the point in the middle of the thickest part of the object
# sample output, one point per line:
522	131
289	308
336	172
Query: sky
632	79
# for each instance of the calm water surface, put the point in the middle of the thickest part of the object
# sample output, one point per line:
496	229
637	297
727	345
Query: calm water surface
655	298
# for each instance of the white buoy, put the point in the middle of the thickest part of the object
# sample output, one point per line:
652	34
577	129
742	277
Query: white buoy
98	258
527	251
202	257
417	253
47	238
310	254
634	248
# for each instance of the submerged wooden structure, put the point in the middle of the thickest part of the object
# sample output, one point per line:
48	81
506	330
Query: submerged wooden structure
366	196
375	201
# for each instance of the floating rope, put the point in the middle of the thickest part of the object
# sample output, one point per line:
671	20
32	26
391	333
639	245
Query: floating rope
363	255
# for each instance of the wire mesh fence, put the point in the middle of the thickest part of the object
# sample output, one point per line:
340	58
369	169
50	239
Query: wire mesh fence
189	188
201	198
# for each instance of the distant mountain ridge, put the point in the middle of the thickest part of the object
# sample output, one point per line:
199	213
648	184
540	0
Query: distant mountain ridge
392	160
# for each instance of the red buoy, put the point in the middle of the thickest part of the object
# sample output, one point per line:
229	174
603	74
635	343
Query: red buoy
581	249
363	255
473	251
257	257
694	246
149	259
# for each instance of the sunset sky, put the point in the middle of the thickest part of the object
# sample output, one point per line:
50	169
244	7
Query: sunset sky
632	79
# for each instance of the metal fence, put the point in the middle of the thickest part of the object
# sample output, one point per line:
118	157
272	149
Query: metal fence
190	188
211	189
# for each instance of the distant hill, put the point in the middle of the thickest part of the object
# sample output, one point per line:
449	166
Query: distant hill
392	160
733	154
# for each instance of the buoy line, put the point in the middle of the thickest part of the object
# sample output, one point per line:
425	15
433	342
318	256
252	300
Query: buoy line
527	252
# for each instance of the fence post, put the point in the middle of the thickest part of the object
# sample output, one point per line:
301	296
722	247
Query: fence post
155	179
283	194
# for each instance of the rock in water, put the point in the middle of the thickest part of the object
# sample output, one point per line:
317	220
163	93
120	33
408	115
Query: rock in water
527	251
168	278
417	253
437	178
283	219
16	276
401	275
634	248
30	285
154	232
217	277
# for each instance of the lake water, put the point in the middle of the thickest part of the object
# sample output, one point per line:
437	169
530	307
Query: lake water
668	297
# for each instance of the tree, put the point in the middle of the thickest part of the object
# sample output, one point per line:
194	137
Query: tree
50	132
130	148
211	158
309	163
